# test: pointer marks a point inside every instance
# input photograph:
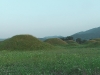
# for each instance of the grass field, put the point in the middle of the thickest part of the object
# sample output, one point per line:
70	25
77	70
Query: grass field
61	61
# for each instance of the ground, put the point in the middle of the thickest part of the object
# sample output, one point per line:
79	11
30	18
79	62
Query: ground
61	61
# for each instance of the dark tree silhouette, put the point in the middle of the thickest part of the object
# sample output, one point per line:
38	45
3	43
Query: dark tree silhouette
69	38
78	40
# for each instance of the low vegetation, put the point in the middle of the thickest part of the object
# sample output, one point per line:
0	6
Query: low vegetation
52	57
63	61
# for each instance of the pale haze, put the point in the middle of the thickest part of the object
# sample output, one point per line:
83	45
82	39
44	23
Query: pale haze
42	18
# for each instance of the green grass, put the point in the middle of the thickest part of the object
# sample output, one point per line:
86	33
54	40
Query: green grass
72	43
24	42
56	42
63	61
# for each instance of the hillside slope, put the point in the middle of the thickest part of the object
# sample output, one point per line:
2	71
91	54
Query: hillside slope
89	34
24	42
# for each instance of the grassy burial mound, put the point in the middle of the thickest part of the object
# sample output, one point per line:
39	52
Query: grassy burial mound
97	39
56	41
72	43
23	42
93	43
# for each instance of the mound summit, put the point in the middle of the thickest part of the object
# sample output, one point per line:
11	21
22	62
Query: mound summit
23	42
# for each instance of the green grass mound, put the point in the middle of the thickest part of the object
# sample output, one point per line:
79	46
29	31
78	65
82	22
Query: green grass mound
93	43
72	43
23	42
97	39
56	41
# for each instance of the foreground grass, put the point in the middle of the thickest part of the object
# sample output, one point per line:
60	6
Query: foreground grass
71	61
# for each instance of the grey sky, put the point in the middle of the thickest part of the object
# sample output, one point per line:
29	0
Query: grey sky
42	18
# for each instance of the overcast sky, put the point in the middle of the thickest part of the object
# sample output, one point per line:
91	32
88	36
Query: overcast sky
42	18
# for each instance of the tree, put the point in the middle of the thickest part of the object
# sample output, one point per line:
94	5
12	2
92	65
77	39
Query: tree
78	40
69	38
62	38
83	41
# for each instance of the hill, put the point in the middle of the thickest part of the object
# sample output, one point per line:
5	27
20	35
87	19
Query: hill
93	43
56	41
72	43
89	34
2	39
23	42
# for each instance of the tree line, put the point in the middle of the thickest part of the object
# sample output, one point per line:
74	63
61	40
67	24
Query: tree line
78	40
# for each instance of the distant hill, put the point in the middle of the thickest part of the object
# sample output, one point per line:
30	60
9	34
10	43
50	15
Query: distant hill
48	37
2	39
89	34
